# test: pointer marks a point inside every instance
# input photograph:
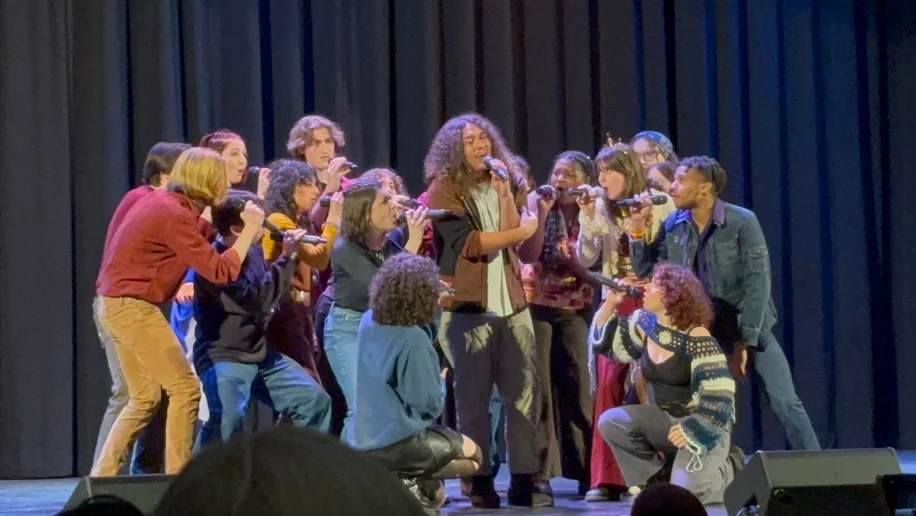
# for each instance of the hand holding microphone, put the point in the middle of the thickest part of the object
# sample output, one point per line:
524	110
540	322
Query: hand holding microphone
498	168
337	169
613	284
641	208
250	214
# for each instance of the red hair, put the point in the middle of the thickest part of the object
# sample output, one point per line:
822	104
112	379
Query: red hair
685	300
218	139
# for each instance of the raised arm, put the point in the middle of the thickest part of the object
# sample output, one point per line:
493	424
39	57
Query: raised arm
530	250
182	237
458	231
618	338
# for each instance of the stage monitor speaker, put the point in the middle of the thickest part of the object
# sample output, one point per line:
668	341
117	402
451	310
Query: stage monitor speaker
805	483
144	491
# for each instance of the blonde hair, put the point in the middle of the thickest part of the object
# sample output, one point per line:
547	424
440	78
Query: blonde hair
200	174
301	134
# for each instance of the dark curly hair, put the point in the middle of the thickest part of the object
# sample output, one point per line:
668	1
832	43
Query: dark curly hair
378	173
358	197
709	169
285	176
685	300
405	291
446	159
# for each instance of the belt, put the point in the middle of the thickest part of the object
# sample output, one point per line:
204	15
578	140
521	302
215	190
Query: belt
301	296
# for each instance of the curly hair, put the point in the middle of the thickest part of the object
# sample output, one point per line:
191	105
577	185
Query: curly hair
378	173
445	158
709	169
405	291
358	197
285	176
685	300
301	134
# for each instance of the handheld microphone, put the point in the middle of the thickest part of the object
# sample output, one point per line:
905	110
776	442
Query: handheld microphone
546	190
275	232
579	191
278	234
432	214
488	162
350	165
631	291
325	202
254	170
653	199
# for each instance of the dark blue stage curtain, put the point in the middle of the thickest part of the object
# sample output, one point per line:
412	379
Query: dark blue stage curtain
805	102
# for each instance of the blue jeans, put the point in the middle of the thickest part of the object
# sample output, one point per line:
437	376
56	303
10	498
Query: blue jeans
276	381
771	366
340	347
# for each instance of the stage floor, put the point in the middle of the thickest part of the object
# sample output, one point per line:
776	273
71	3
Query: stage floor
38	497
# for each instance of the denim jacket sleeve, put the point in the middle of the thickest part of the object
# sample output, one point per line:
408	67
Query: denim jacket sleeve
755	262
644	255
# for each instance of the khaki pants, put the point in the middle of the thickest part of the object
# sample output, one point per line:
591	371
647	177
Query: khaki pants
151	360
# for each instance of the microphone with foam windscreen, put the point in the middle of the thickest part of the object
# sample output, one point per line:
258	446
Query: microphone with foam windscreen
656	200
629	290
275	232
490	163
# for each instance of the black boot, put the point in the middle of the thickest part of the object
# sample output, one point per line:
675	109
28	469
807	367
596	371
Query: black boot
425	503
525	492
482	492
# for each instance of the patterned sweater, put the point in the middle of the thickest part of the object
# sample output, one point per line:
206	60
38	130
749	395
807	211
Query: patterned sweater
712	409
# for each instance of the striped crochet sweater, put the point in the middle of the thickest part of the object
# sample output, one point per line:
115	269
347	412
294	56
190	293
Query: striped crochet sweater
712	409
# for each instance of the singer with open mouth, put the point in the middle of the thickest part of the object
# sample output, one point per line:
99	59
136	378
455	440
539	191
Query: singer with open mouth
603	235
486	331
293	191
369	214
143	266
558	288
725	246
694	407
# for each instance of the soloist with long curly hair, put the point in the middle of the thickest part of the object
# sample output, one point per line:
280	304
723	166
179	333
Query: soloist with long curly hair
694	406
398	394
486	331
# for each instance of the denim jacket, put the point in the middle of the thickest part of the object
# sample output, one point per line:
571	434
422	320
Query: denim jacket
737	257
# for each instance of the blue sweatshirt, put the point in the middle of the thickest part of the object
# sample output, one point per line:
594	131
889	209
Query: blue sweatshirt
399	390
